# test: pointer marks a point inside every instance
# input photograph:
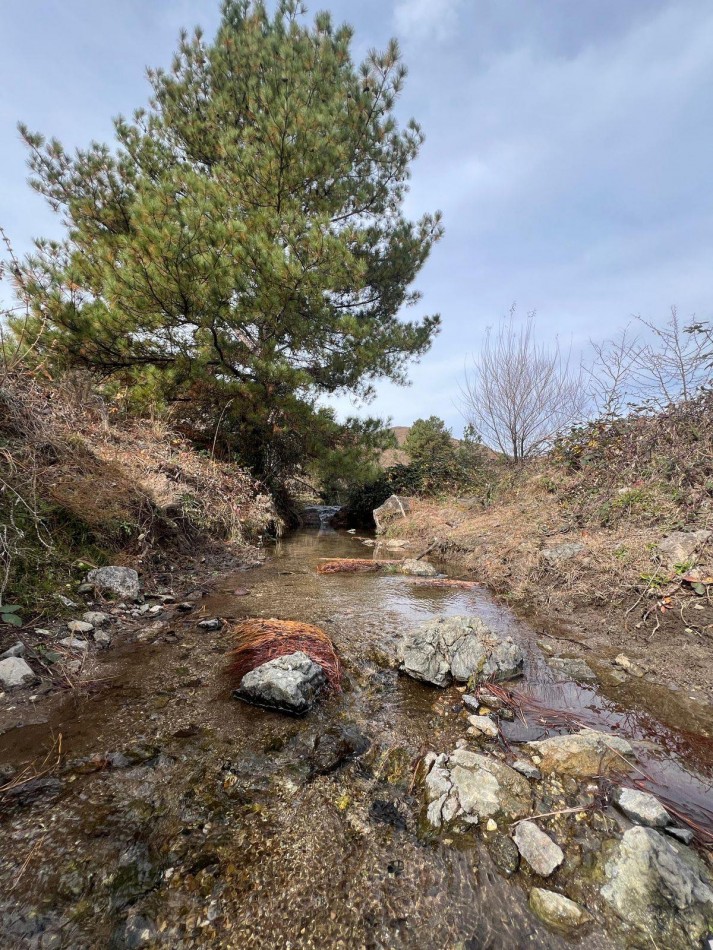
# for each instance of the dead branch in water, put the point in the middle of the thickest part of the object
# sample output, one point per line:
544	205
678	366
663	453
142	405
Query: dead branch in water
444	582
259	641
353	565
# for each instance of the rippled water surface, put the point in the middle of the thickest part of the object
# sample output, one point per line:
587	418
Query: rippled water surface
214	830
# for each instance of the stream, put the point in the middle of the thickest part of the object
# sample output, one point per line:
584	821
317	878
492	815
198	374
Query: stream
180	817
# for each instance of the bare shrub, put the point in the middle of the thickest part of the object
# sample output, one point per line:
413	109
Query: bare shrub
519	394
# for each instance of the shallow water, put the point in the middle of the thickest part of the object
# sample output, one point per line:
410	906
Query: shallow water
216	833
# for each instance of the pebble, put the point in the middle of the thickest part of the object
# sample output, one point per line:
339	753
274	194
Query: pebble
73	643
95	618
79	626
680	834
642	807
527	769
212	624
537	848
483	725
17	649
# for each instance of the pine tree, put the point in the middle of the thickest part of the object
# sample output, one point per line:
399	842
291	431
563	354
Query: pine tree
242	248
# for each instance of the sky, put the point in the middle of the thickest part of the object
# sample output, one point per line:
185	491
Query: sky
568	146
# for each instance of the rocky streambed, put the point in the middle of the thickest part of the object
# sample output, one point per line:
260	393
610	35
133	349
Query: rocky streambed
397	813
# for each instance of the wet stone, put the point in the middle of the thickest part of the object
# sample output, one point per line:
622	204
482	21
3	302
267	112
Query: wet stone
457	648
387	813
537	848
583	754
526	768
336	747
504	853
642	807
556	910
289	684
576	669
659	887
212	624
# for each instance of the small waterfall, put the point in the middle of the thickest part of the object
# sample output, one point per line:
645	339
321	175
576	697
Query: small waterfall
319	516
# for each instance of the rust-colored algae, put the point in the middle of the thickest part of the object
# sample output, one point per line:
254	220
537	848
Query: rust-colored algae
353	565
258	641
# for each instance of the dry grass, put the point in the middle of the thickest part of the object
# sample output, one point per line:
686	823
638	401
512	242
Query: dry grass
354	565
259	641
70	468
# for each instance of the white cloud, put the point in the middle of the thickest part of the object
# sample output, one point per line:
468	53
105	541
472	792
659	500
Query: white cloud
419	19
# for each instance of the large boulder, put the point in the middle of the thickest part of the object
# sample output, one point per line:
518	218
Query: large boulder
121	582
14	671
466	787
290	683
584	754
457	648
680	547
394	507
417	568
661	888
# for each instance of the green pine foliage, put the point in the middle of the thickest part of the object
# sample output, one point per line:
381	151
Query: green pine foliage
241	250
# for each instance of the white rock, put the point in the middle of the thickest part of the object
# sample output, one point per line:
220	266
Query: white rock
537	848
96	618
80	626
484	725
73	643
14	671
642	808
120	581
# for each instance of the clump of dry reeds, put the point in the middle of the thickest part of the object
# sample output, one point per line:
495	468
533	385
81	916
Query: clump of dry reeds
259	641
353	565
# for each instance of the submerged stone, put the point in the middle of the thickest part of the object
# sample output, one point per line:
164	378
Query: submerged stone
289	683
556	910
457	648
586	753
577	669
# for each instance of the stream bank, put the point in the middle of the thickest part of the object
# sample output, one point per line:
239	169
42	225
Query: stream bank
180	817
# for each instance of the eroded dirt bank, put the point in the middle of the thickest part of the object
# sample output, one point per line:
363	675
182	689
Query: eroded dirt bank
176	816
597	592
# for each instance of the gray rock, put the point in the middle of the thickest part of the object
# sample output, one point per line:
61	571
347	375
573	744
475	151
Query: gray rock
96	618
504	853
642	807
74	643
102	638
458	648
120	581
526	768
659	887
587	753
416	568
14	672
17	649
80	626
394	507
290	683
65	601
680	834
556	910
211	624
537	848
85	588
562	552
680	547
467	787
576	669
484	726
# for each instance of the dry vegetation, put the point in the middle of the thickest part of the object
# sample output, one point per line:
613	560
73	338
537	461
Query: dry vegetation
75	486
259	641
